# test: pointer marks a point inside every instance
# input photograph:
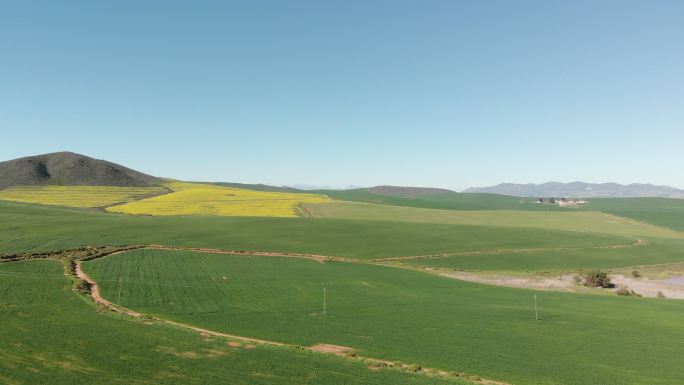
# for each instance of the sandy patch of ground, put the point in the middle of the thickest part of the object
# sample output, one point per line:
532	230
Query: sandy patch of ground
333	349
564	283
671	288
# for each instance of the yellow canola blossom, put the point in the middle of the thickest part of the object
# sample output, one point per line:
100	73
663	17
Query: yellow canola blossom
78	196
202	199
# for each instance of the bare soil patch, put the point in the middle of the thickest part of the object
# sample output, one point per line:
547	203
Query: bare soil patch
333	349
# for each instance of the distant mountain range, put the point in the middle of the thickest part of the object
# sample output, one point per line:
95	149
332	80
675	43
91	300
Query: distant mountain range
580	190
70	169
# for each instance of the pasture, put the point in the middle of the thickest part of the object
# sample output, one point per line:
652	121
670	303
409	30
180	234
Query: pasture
408	316
51	335
666	212
657	251
78	196
442	200
30	228
205	199
571	220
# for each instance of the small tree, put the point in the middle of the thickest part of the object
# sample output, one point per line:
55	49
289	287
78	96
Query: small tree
597	278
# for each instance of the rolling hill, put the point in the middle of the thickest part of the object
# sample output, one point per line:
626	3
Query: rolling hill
70	169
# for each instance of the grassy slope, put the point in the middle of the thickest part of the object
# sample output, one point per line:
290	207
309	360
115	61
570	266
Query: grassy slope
410	316
31	227
449	200
658	251
659	211
51	336
585	221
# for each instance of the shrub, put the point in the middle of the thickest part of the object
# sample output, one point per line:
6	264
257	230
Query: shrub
597	278
83	287
661	295
636	273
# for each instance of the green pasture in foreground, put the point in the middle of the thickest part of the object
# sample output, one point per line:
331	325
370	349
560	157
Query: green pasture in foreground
50	335
32	227
409	316
658	251
573	220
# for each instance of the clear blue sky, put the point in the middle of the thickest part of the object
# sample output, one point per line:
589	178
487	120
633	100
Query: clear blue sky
428	93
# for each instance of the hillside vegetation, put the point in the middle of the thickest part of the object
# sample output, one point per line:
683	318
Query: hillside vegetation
70	169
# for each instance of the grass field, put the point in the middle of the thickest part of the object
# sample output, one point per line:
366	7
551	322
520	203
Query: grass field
658	251
29	228
205	199
659	211
50	335
446	201
78	196
490	331
573	220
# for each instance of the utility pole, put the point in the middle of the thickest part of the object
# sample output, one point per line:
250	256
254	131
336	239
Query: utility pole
536	314
118	296
323	302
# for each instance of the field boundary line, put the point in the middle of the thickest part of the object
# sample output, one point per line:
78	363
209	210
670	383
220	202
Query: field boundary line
637	243
315	257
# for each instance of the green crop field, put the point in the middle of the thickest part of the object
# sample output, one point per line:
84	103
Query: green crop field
445	200
572	220
658	211
26	228
464	327
50	335
491	331
658	251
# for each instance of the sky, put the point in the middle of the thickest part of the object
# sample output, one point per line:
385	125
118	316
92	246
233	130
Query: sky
332	93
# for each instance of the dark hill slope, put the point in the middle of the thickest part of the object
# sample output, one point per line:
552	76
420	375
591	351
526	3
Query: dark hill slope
70	169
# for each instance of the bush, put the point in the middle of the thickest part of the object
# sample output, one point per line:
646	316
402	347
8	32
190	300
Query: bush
83	287
661	295
597	278
636	274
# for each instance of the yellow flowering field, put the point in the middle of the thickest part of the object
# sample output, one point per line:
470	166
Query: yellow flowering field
203	199
78	196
